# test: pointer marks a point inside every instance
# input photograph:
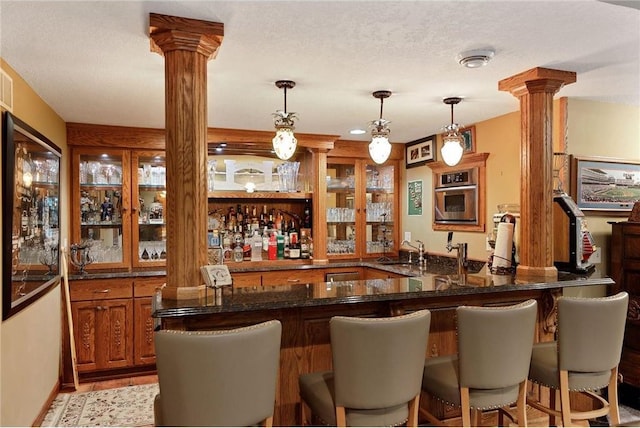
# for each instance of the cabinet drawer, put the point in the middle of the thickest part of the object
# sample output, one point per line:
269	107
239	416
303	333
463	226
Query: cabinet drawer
146	287
100	289
249	279
292	277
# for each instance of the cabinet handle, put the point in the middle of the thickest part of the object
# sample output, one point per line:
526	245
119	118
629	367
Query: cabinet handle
105	291
293	280
99	308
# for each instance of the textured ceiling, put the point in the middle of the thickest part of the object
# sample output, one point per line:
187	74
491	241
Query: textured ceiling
91	61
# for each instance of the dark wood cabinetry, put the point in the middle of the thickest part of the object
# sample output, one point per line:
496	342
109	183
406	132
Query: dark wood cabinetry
625	271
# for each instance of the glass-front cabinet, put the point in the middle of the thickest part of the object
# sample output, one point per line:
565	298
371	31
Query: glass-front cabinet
148	209
118	205
361	208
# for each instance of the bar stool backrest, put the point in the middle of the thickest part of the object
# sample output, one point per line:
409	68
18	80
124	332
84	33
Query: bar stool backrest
494	344
378	362
591	332
217	378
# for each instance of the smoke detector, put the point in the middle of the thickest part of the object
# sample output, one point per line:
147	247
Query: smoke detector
475	58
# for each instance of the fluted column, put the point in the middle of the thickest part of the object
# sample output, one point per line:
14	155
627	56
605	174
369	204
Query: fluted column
535	89
187	45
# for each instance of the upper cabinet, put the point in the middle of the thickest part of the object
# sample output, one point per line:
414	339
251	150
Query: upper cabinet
118	206
361	208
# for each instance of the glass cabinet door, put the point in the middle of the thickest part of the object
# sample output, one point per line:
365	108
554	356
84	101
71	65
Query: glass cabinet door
341	208
380	194
149	209
101	240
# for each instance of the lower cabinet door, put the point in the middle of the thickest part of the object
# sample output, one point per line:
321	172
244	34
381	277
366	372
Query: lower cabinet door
144	349
103	334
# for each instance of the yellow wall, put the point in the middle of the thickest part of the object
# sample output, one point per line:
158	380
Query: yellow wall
30	341
500	137
594	129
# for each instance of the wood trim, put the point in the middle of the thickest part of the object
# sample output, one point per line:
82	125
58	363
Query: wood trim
471	160
47	404
360	150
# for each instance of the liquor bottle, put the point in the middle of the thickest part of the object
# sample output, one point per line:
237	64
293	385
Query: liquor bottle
294	247
305	252
256	247
306	217
273	247
286	245
265	239
293	231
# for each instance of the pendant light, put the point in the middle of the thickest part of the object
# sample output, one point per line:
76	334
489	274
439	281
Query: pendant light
285	142
453	142
380	148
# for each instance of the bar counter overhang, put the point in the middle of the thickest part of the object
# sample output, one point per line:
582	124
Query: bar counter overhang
305	310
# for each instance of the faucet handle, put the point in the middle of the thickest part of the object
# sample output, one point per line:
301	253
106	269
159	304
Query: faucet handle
449	236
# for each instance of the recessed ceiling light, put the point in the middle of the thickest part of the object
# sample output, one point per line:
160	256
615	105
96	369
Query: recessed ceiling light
475	58
357	132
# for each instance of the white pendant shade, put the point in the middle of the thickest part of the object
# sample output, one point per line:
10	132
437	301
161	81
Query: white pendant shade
451	151
284	143
379	149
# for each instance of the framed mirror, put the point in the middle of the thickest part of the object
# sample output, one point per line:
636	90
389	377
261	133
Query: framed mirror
30	215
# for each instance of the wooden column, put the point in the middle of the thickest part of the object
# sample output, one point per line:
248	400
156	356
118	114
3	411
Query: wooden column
187	45
535	89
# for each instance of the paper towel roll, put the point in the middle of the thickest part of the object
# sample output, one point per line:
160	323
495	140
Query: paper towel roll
504	243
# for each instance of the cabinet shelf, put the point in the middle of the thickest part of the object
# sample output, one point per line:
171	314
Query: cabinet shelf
259	195
108	225
91	186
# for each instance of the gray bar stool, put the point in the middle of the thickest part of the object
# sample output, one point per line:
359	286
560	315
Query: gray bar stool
377	367
217	378
490	370
584	358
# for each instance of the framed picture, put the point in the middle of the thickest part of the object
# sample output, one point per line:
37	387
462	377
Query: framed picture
469	135
414	192
420	151
605	184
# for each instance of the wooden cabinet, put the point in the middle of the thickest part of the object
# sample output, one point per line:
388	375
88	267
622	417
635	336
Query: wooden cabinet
102	313
362	208
118	205
112	323
278	277
625	271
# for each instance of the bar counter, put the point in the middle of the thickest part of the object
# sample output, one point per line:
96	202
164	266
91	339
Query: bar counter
305	310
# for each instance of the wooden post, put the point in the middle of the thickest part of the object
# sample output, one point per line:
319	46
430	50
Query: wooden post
535	89
187	45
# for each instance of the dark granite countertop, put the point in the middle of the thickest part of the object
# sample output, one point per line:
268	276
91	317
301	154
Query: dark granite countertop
423	285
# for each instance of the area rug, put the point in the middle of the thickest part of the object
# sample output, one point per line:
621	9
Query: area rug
131	406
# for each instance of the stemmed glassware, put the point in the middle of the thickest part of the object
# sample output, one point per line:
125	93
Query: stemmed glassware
80	257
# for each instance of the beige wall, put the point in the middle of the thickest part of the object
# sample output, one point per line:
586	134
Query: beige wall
594	129
30	341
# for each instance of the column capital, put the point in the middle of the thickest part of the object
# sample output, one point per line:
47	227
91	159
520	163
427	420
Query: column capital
171	33
537	80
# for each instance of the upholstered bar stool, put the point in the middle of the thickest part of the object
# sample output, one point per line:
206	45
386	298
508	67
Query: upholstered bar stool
217	378
490	370
585	357
377	367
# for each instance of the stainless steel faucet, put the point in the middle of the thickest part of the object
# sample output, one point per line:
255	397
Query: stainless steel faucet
462	261
420	249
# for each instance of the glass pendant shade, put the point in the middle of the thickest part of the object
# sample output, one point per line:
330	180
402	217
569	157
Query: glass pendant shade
285	142
379	149
452	143
451	150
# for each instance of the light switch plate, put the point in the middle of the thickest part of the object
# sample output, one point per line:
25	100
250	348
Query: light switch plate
407	236
596	257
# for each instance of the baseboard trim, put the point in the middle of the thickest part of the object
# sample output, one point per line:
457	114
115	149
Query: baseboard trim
47	404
